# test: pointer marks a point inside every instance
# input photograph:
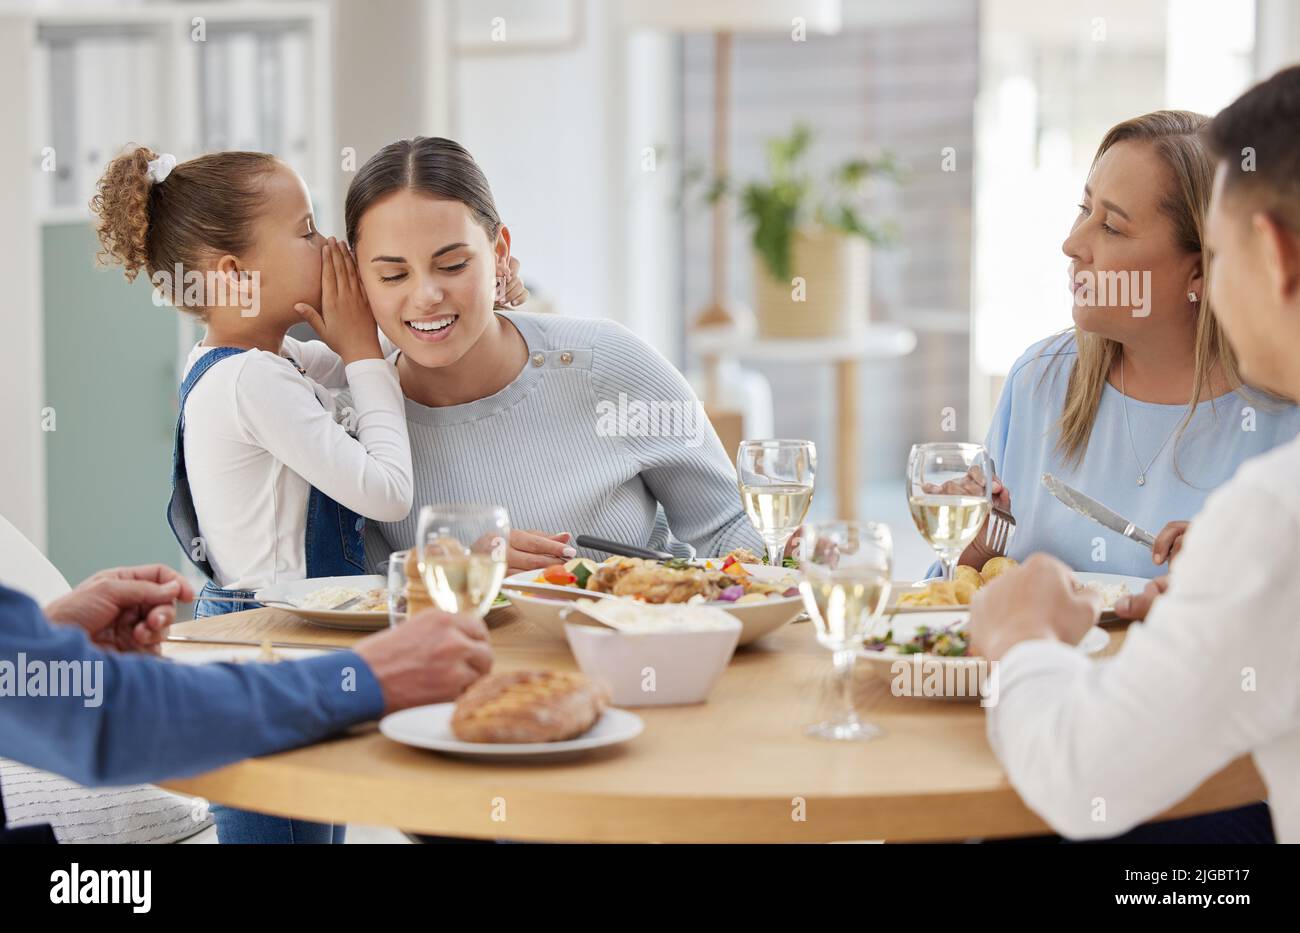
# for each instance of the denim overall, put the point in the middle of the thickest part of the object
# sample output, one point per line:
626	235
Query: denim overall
335	547
335	542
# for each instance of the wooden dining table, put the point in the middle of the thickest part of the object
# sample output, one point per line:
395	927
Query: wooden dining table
736	768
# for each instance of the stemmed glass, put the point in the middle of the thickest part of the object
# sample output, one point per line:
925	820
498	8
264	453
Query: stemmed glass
395	570
776	487
949	492
462	551
845	569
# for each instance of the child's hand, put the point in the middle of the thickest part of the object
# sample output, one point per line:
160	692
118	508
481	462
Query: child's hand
510	291
347	326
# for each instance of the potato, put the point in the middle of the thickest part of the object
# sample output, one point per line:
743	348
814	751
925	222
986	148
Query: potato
969	575
943	594
591	565
996	566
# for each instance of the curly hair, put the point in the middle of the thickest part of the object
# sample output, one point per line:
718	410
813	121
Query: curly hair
203	209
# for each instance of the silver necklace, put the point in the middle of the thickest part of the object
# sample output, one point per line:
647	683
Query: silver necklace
1123	389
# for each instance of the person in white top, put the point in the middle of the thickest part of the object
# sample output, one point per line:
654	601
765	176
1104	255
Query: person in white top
1096	748
271	480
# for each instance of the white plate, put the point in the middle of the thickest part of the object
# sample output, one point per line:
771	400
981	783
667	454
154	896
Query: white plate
241	655
430	727
756	619
1135	586
295	591
882	662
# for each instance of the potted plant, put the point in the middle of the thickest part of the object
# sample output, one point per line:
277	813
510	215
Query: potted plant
811	240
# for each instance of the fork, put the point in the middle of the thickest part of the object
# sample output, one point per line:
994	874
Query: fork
1001	524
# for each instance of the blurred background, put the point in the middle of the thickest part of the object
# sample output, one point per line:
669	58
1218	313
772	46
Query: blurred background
936	150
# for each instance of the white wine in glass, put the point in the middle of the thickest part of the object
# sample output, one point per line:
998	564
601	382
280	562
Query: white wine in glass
776	479
948	522
463	552
845	568
949	493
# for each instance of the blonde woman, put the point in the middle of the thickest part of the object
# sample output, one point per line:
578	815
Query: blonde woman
1140	405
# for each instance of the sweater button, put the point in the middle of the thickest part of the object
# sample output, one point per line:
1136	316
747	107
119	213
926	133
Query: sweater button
538	359
566	357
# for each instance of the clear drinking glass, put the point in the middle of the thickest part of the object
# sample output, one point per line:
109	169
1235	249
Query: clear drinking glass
776	480
949	492
463	552
845	569
397	587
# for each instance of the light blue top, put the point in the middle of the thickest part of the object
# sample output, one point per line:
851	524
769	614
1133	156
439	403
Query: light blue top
1223	433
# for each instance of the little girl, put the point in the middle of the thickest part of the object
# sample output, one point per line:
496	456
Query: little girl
270	482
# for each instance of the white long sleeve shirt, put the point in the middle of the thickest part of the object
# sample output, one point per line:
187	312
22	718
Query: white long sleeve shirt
1213	674
259	434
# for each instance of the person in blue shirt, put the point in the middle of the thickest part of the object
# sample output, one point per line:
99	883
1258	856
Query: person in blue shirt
120	725
1140	405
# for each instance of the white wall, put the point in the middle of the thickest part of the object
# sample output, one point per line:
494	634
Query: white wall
560	135
389	81
22	461
1277	43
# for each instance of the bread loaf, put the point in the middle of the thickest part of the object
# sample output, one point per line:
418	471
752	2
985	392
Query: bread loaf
528	706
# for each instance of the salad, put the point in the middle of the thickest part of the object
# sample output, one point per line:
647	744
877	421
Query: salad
948	641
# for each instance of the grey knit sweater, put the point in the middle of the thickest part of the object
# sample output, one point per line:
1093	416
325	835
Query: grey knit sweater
598	434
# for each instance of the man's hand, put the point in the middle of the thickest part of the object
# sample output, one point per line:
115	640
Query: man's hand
1035	600
124	609
1136	608
430	658
1169	542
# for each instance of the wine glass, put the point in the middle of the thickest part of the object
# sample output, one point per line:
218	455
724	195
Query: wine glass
949	491
462	551
845	569
397	580
776	487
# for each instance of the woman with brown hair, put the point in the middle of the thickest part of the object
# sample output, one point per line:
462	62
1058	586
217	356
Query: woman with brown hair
574	425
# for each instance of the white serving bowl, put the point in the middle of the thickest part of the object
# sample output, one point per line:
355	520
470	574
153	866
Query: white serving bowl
550	615
667	667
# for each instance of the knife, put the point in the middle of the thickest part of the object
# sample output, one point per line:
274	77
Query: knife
622	550
1091	508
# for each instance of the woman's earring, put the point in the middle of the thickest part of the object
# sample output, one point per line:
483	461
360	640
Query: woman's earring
501	289
1191	296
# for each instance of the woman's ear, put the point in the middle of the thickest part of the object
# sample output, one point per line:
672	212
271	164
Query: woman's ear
502	249
1196	284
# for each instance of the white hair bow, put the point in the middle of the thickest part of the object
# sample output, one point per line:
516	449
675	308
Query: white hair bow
158	169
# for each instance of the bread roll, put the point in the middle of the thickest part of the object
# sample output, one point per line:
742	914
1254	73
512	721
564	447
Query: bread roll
528	706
